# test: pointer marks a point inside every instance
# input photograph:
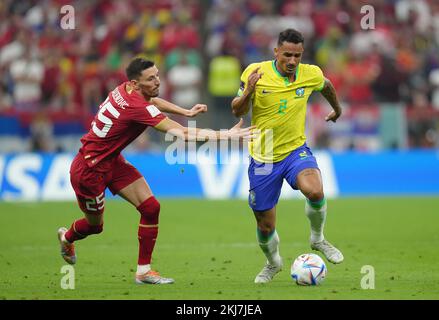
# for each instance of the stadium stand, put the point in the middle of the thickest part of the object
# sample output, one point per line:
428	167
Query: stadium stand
52	80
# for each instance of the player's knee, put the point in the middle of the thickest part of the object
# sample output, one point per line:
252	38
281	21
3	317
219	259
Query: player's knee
265	229
315	195
150	210
96	229
265	222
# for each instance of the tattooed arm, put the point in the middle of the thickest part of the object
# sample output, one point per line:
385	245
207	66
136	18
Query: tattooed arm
330	95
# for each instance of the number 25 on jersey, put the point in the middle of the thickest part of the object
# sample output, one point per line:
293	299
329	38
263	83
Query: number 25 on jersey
107	122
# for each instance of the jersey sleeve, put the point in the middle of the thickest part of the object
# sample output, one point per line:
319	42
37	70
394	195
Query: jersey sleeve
149	115
244	78
318	79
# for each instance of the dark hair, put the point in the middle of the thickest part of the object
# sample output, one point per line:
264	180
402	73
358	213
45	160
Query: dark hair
136	66
290	35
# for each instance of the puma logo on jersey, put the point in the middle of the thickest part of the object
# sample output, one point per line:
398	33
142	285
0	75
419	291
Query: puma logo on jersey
153	111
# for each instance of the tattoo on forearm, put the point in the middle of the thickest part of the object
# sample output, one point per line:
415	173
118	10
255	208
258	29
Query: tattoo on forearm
329	93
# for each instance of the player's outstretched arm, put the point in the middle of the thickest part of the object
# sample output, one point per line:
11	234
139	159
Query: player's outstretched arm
168	107
330	95
196	134
241	105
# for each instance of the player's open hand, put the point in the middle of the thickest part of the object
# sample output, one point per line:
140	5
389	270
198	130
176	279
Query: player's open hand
248	133
333	116
253	78
196	109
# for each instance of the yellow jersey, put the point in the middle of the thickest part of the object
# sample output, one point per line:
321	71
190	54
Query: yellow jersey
279	108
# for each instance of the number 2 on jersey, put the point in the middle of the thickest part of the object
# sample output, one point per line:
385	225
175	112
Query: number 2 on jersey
282	106
106	105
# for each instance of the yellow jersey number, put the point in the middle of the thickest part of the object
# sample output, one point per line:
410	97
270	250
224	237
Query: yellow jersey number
282	106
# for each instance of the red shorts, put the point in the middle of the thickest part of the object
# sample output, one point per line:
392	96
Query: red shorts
90	183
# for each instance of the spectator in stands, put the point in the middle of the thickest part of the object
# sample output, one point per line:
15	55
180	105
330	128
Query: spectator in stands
434	80
423	126
81	65
41	129
358	75
387	86
51	79
174	57
14	49
224	75
184	80
27	72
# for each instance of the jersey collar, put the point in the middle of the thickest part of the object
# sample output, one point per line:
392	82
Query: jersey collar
133	95
286	79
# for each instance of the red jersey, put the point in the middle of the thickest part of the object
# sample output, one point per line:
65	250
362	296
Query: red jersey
122	117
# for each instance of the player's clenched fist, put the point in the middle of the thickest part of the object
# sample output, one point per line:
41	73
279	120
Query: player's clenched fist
253	78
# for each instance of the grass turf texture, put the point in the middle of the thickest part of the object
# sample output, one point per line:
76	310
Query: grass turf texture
210	248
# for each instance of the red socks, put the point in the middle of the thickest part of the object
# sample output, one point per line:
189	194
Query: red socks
81	229
147	233
148	229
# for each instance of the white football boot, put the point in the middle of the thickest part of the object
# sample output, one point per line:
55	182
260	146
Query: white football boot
331	253
152	277
67	248
268	272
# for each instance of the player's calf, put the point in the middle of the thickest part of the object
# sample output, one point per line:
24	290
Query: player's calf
80	229
148	229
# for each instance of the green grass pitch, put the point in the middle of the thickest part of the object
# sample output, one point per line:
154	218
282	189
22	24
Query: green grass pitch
210	248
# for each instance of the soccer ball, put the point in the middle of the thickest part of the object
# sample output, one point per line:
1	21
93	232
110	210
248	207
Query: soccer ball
308	270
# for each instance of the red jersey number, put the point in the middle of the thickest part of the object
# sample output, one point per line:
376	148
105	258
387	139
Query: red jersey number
106	121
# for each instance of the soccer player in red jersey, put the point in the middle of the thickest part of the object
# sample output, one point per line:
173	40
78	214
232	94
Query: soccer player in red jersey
128	110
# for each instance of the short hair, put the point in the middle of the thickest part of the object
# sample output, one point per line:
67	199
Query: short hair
136	66
290	35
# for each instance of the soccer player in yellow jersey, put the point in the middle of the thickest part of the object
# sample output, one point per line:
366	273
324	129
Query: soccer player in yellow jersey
278	91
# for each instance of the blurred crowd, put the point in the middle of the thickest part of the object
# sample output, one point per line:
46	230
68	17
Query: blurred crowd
201	48
46	66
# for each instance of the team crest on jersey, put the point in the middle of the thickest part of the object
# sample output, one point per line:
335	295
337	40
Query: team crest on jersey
300	92
153	111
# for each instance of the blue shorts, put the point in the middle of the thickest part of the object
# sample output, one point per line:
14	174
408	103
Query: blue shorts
266	179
